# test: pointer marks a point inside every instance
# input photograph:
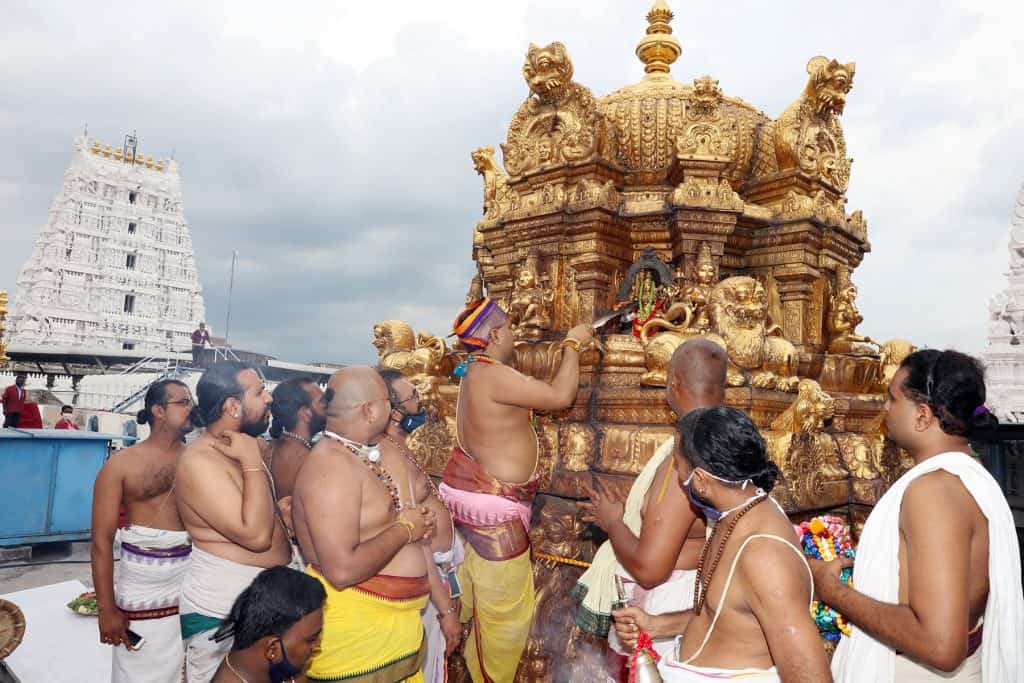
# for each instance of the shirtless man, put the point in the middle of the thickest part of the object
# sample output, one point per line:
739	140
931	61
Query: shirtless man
491	479
298	413
751	617
938	555
655	545
445	552
362	540
225	498
154	546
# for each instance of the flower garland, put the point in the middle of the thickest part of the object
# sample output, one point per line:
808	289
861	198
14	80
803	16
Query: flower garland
828	538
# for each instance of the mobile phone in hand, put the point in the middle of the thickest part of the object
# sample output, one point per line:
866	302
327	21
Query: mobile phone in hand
135	641
454	588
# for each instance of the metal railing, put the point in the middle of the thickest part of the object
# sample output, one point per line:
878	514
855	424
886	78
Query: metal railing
1002	453
171	370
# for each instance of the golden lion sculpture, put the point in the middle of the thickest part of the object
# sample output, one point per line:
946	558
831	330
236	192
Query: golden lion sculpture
559	121
808	135
399	348
738	312
807	455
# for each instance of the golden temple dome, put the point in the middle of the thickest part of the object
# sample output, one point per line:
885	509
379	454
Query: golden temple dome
650	116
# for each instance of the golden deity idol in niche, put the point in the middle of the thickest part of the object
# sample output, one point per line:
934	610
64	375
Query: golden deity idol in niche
693	213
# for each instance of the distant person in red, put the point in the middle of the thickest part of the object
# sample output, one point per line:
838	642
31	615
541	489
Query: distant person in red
66	421
200	338
14	401
30	418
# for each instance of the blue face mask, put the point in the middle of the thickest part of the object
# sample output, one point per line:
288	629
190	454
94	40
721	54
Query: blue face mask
710	512
413	421
284	670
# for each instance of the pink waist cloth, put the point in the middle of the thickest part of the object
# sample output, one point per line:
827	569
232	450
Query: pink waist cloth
483	509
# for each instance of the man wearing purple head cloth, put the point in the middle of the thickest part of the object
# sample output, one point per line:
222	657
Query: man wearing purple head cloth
491	479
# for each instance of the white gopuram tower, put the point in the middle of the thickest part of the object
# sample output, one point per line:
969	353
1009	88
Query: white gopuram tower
1004	357
113	268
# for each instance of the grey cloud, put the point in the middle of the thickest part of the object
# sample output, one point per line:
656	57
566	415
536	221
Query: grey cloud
350	193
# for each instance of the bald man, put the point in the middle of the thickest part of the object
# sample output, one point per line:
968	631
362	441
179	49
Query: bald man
361	543
655	537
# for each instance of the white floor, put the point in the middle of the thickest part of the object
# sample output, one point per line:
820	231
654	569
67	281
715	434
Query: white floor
60	646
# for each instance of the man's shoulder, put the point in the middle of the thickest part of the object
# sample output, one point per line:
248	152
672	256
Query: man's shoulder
497	372
934	489
772	561
329	459
200	455
935	496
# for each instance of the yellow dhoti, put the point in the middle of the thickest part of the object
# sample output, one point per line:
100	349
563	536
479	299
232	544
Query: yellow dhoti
497	576
372	631
499	597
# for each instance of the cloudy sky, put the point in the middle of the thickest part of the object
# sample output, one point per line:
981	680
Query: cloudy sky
329	142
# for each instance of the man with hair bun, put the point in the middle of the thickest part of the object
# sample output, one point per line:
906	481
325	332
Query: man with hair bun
226	501
750	618
937	583
154	546
299	413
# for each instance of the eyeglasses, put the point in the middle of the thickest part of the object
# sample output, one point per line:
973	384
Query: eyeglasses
179	402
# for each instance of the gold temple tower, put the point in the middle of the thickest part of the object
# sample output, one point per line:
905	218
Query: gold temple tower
704	217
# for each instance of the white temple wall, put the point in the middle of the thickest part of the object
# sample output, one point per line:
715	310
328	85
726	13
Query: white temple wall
1004	355
114	263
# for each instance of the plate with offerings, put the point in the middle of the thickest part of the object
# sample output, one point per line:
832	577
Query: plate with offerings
85	604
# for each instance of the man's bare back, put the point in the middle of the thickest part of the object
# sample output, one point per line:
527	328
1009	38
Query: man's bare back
286	456
497	435
920	510
210	487
666	487
739	639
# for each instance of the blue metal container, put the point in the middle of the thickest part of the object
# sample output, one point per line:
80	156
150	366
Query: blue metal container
46	480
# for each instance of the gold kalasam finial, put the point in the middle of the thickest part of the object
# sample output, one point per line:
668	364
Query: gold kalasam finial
659	48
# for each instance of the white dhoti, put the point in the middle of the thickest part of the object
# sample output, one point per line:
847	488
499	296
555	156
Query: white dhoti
208	592
909	671
674	671
861	658
435	666
148	586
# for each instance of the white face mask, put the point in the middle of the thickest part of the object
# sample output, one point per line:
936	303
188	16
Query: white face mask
370	451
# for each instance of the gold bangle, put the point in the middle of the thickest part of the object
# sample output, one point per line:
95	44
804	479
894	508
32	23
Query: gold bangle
573	344
409	526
